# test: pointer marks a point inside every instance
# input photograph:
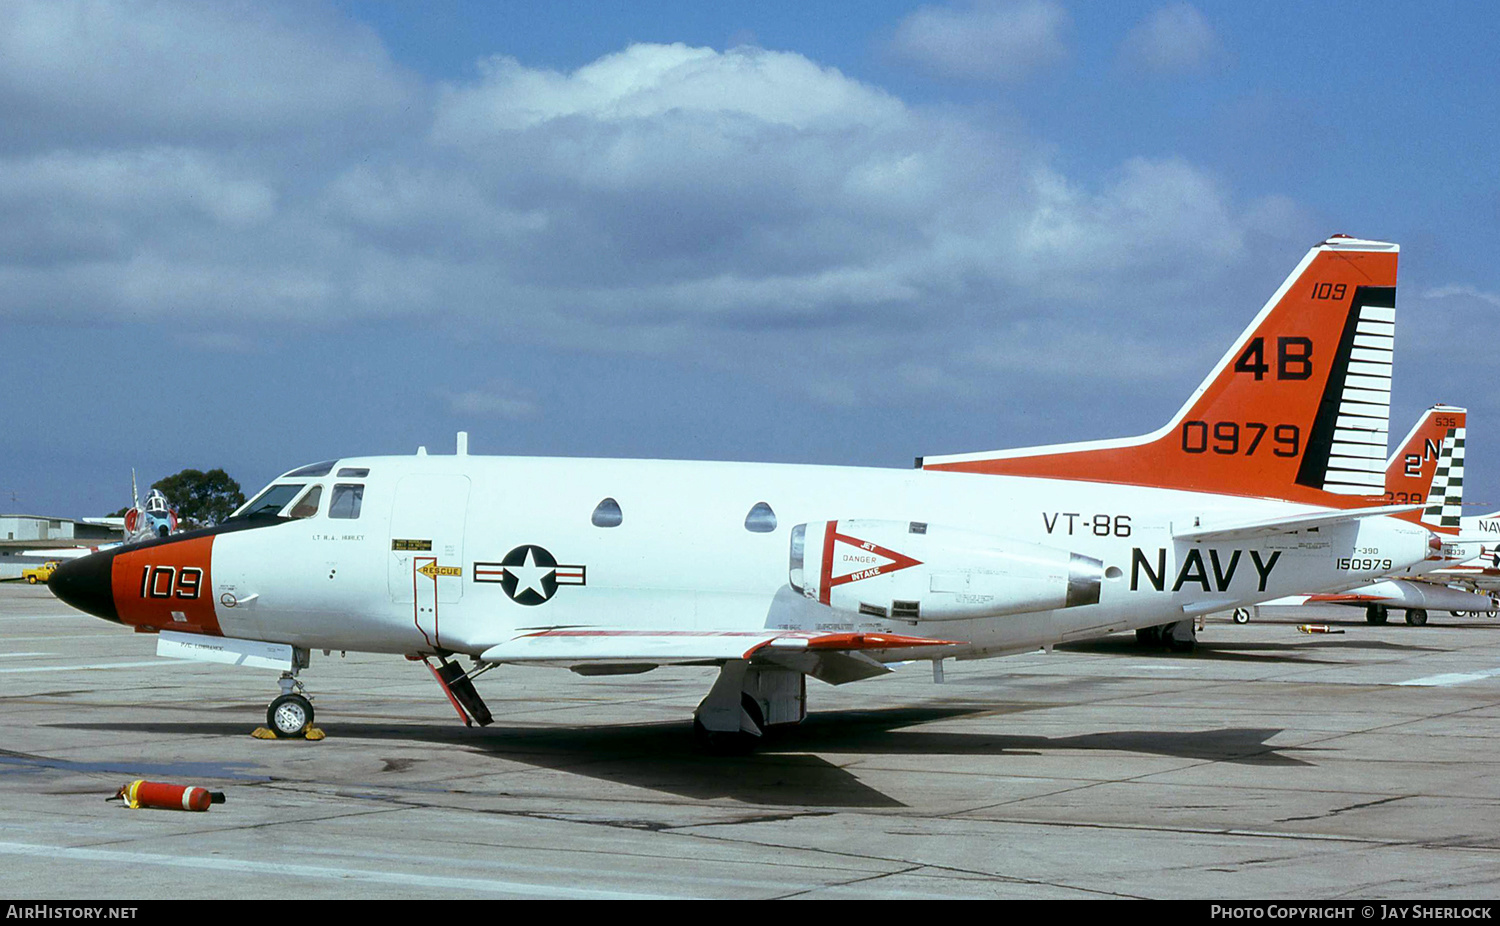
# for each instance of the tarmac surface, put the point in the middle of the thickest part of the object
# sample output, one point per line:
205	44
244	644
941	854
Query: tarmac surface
1267	764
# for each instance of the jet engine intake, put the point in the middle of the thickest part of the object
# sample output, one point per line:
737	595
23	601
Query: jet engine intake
912	570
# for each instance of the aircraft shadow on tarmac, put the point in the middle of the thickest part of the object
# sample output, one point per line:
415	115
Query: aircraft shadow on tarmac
787	770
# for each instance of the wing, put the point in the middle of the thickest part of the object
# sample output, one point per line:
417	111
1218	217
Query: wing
832	657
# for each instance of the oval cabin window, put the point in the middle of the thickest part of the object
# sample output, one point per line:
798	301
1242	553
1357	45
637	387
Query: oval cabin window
607	514
761	519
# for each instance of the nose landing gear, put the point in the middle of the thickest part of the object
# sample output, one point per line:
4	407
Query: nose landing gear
290	715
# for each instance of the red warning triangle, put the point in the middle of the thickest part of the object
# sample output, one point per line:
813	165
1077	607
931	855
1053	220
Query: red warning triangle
849	559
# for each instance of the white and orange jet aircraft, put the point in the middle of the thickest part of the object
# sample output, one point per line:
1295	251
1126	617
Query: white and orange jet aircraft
1265	483
1428	469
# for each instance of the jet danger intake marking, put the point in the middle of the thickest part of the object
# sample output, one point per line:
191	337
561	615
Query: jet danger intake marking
860	558
529	574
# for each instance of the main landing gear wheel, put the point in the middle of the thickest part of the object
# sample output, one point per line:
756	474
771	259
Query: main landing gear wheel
1376	613
1416	617
289	715
726	743
1241	615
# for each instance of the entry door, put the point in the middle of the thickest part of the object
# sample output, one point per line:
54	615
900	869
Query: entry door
427	547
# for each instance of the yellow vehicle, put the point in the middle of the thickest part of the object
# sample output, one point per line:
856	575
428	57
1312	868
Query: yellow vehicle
41	573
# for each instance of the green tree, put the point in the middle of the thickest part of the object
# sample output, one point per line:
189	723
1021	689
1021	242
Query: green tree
202	499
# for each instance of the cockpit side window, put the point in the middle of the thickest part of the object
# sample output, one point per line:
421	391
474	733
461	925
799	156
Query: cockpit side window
347	500
307	505
271	501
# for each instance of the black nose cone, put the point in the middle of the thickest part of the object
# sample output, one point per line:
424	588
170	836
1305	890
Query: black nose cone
87	584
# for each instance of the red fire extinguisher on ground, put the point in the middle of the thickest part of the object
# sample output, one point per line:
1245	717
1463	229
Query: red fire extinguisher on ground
142	793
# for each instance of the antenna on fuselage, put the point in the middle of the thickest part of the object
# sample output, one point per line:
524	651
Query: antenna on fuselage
421	451
463	443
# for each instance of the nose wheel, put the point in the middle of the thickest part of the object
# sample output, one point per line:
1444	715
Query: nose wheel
290	715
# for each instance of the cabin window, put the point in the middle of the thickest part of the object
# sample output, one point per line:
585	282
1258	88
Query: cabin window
607	514
346	501
313	469
761	519
354	472
307	505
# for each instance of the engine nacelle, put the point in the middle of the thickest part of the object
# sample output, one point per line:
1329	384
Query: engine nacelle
917	571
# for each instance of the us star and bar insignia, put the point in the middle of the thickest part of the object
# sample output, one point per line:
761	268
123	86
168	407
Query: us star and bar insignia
529	574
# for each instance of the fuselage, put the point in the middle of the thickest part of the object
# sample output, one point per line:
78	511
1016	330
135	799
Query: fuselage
459	553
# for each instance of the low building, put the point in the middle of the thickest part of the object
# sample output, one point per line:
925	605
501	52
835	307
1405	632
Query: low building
25	539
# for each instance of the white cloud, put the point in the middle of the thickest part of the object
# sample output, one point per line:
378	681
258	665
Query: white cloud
1174	39
1462	289
170	71
495	402
999	40
662	199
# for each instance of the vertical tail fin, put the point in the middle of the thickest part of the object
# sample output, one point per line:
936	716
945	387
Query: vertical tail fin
1299	408
1428	464
1446	499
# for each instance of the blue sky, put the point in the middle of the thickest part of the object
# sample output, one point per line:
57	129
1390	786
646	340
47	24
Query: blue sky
256	235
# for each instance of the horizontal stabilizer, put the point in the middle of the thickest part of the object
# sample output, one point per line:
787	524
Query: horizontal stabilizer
1250	530
570	646
1408	593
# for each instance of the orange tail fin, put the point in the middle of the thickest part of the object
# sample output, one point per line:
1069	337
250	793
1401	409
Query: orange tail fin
1412	469
1299	408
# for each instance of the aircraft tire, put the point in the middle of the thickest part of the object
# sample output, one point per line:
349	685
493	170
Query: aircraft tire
723	743
1376	614
1241	615
289	715
1416	617
1148	636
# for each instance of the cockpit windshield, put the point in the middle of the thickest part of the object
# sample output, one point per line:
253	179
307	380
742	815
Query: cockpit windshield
271	501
